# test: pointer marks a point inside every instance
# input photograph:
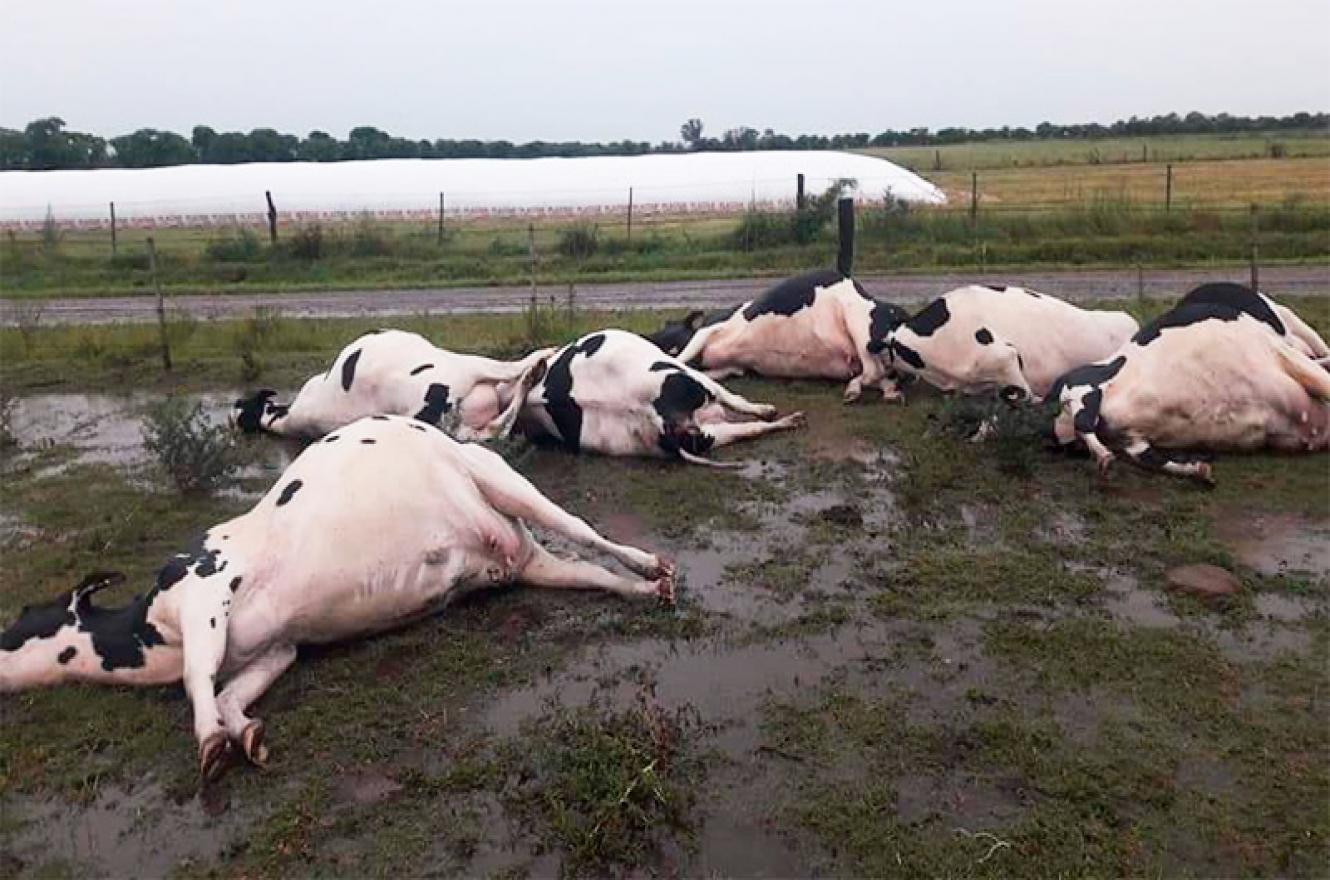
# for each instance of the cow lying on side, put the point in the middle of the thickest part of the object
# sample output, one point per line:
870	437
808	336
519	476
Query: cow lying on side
1281	319
615	393
391	372
980	338
1212	373
819	325
381	524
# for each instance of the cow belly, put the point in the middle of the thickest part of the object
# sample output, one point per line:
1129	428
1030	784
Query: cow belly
814	359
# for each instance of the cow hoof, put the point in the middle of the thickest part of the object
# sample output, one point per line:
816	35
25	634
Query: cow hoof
794	420
766	412
1205	473
251	740
213	753
665	585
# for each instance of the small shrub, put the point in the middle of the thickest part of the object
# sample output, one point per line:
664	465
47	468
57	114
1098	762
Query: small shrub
131	261
8	441
51	234
196	454
1016	433
238	245
307	243
1278	150
503	247
579	242
367	238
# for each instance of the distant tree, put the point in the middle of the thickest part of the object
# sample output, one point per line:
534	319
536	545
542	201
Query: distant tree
319	146
267	145
691	132
13	150
150	148
366	142
48	145
202	138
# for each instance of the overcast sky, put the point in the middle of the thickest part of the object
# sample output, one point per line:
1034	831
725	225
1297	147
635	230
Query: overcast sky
608	70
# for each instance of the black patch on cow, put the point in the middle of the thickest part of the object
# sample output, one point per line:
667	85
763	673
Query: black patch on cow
930	318
330	438
37	622
197	557
349	369
884	318
680	396
436	404
66	655
422	368
235	583
368	440
997	288
559	402
419	427
289	492
1035	294
1221	301
250	417
379	418
792	294
1089	374
663	365
983	337
907	354
1087	419
120	635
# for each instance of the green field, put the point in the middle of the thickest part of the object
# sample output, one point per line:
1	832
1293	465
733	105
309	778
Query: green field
896	654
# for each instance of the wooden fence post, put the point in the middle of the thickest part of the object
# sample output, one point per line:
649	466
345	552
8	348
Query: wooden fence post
113	229
1168	187
630	216
1255	234
799	191
161	304
974	197
845	228
440	218
272	218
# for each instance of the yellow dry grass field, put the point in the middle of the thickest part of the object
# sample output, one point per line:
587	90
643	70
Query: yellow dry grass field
1231	184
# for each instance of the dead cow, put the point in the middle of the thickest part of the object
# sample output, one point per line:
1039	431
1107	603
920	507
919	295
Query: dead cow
392	372
615	393
819	325
1013	340
382	523
1221	370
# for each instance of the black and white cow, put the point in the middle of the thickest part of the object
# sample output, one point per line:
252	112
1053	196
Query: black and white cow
382	523
1224	369
615	393
819	325
1014	340
392	372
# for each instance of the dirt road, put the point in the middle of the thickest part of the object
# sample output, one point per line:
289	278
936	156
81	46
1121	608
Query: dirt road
1075	285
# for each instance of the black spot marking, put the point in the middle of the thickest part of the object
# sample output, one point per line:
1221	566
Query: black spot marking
368	441
422	368
933	316
559	401
997	288
680	396
884	318
1035	294
37	622
419	427
663	365
436	404
983	337
212	623
331	438
1087	418
907	354
1223	302
379	418
1090	374
66	655
349	369
289	492
792	294
235	583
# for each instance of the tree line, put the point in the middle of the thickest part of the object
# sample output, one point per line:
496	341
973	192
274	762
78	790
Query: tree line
46	144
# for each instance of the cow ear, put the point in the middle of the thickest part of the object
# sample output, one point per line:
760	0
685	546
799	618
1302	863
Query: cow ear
691	320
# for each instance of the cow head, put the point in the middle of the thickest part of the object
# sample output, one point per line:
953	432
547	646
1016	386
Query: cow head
256	413
675	335
42	645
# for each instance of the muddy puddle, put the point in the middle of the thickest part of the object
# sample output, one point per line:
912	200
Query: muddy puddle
1274	544
123	833
108	429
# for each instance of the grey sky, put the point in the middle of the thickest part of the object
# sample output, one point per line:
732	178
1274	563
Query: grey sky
607	70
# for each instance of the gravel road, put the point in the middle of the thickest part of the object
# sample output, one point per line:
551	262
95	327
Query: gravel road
913	288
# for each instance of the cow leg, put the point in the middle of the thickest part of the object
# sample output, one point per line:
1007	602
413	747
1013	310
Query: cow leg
513	495
731	401
243	689
203	626
725	433
502	424
693	350
544	569
724	373
1001	366
1141	453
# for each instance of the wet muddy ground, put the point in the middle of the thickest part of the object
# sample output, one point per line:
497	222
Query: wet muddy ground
894	658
